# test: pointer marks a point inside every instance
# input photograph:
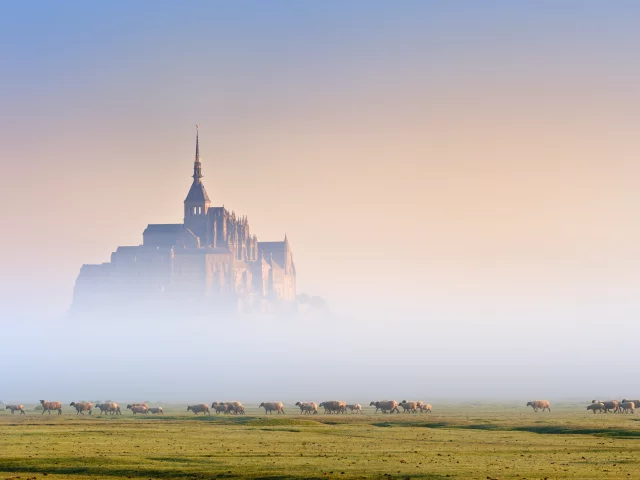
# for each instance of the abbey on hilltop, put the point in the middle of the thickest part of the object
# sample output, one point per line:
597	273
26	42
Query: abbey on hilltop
209	262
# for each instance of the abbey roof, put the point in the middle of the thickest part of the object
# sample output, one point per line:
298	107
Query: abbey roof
197	193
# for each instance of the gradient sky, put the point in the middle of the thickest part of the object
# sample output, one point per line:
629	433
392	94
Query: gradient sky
469	161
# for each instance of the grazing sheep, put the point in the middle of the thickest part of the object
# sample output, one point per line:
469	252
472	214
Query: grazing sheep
611	405
270	407
598	406
15	408
409	406
109	407
334	406
424	407
635	402
627	407
155	410
145	405
201	408
355	407
307	407
48	406
386	406
82	407
539	404
138	409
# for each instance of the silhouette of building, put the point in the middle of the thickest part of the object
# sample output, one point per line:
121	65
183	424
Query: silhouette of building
210	261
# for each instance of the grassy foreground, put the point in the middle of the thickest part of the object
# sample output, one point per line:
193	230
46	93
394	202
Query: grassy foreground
454	442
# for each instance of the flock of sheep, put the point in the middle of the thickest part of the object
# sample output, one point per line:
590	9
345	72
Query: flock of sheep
236	408
81	407
625	406
615	406
307	408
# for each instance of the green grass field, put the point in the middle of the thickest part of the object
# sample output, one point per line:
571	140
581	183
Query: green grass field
477	442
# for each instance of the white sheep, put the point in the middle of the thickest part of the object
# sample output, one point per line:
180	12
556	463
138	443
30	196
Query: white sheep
82	407
334	406
270	407
597	406
48	406
539	404
200	408
627	407
15	408
219	407
386	406
408	406
307	407
109	407
143	409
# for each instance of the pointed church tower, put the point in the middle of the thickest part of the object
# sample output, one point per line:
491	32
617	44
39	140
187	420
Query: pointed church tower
197	203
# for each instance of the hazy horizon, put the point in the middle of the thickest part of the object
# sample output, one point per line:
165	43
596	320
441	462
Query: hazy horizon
458	181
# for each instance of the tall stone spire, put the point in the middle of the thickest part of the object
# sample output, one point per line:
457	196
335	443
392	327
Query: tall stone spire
197	202
197	165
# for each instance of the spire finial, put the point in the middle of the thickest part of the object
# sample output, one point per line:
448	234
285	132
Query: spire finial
197	166
197	144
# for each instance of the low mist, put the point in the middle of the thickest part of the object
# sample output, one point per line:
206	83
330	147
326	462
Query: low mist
449	352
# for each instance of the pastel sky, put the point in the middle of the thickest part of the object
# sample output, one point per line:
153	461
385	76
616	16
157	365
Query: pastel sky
415	152
459	179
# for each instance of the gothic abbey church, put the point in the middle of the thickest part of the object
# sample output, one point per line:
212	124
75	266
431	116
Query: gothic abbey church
211	260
